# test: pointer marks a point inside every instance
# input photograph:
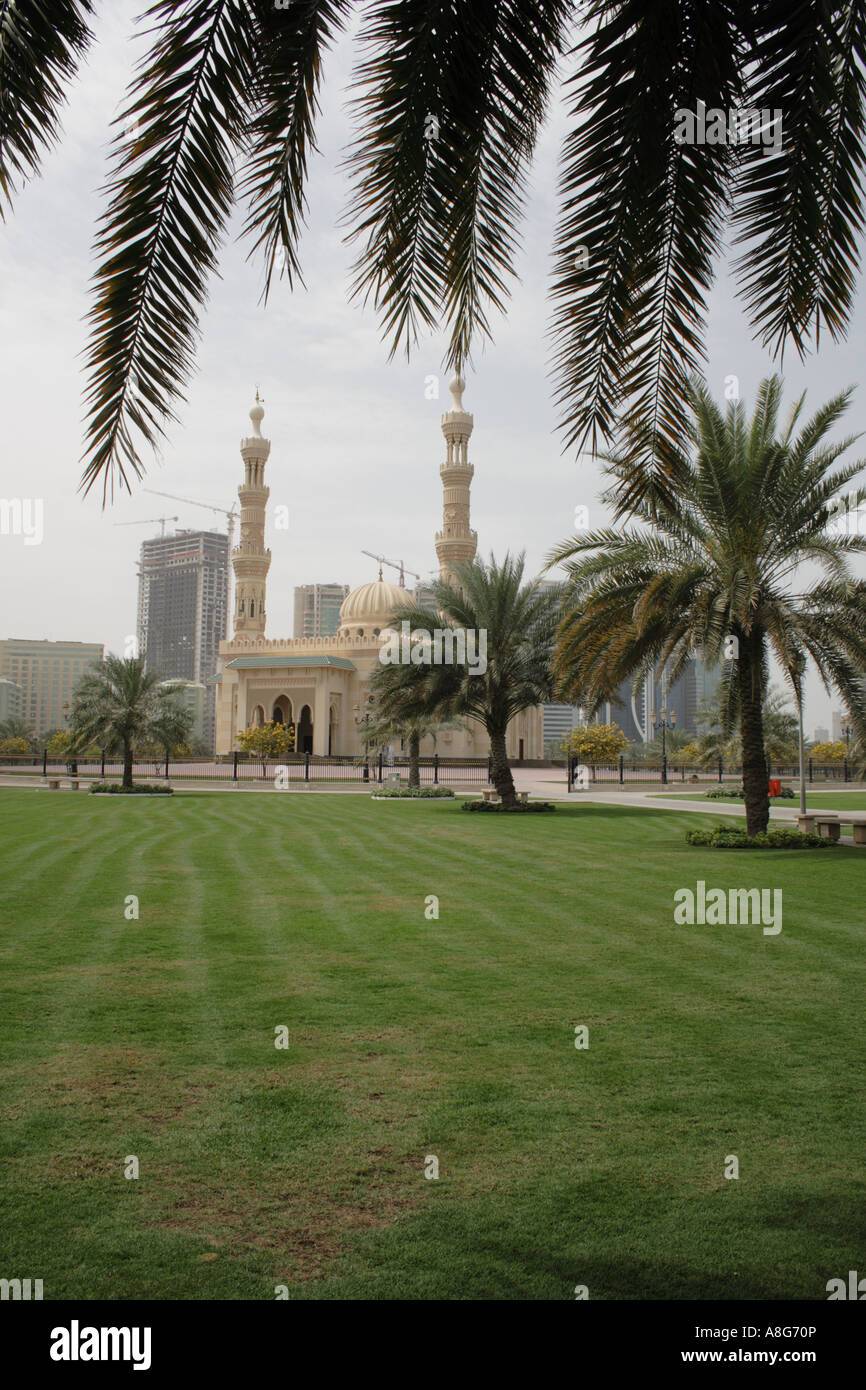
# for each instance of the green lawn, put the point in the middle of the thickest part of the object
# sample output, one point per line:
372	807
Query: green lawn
412	1037
818	801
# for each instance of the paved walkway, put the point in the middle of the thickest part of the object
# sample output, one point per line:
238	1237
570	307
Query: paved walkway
542	783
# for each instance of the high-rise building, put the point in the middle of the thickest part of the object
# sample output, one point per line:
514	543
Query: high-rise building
836	721
182	602
11	700
317	609
47	673
821	735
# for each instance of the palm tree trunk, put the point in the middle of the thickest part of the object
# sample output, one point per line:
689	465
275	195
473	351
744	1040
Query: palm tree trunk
500	770
127	763
755	787
414	755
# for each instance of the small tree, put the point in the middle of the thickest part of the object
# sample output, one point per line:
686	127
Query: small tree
15	727
171	726
14	745
595	743
832	752
266	741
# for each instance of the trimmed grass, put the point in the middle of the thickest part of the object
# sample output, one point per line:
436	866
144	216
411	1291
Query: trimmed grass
411	1037
818	801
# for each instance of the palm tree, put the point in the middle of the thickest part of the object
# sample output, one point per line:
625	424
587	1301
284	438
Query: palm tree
118	704
390	720
713	566
718	722
170	726
449	102
15	727
518	622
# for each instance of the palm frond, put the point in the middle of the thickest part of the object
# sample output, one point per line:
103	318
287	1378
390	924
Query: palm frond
291	44
451	101
171	195
42	43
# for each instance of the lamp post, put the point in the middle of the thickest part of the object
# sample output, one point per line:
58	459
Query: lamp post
798	666
664	724
364	720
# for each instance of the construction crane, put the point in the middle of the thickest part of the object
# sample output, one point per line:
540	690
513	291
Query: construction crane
395	565
149	521
229	515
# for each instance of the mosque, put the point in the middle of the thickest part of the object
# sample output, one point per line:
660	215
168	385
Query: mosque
322	684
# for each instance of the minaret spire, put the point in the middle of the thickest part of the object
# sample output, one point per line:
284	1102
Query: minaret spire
250	559
456	543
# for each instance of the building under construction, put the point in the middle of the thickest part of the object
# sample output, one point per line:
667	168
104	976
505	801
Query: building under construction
182	608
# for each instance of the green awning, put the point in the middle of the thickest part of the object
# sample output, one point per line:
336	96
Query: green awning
264	662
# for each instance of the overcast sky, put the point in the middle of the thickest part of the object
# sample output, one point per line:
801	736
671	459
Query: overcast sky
356	446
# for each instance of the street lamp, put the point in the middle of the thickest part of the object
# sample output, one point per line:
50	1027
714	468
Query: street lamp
798	666
364	720
664	724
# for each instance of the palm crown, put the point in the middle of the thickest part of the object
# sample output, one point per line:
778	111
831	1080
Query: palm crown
716	557
450	96
518	620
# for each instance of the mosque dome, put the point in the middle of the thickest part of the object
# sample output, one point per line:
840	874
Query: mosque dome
368	609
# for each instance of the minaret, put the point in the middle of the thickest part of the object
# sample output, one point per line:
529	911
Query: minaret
250	559
456	543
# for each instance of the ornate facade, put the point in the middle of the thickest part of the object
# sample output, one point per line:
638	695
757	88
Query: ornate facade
322	684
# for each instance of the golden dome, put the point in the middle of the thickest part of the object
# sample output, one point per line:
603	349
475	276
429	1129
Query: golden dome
370	606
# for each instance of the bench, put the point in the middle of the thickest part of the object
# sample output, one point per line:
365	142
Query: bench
54	784
490	794
523	796
829	824
73	784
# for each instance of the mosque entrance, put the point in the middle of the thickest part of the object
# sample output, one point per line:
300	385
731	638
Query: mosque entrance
305	731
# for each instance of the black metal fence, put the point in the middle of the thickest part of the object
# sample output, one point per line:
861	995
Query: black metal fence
580	775
299	767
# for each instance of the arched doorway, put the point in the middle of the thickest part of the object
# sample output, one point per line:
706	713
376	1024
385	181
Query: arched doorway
305	731
282	710
332	730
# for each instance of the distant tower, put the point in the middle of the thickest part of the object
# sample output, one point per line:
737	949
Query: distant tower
456	543
250	559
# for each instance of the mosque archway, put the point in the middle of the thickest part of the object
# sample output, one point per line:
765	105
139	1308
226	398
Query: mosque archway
305	731
282	713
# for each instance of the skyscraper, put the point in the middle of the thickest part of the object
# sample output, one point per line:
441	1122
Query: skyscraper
47	673
317	609
182	598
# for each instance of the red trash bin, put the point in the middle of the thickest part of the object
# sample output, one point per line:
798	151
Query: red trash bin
775	786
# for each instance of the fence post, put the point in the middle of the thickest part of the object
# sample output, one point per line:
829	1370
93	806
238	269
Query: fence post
845	760
102	767
44	761
306	767
620	770
235	766
810	771
435	769
720	772
664	772
166	767
379	776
